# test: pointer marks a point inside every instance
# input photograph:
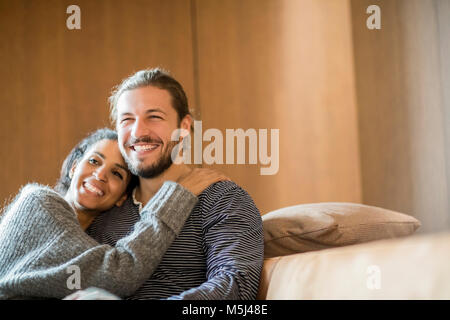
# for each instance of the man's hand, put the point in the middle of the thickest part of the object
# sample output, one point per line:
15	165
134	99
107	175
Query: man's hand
200	178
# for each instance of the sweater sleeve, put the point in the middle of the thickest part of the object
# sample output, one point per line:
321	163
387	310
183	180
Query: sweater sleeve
46	253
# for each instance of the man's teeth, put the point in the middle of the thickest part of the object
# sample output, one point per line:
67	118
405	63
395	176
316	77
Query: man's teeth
91	188
145	147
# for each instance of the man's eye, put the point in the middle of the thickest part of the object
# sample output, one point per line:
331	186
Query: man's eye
155	117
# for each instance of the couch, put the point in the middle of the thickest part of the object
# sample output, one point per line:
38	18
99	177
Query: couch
382	267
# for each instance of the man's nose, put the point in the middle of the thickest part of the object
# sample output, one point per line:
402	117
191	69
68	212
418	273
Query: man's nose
139	129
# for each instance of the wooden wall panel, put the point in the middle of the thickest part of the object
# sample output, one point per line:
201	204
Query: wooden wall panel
285	65
29	98
400	107
55	82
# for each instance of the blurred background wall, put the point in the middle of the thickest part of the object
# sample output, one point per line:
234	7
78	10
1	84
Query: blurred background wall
363	114
403	88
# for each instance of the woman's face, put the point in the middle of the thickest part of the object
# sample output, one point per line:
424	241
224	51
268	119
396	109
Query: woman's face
99	179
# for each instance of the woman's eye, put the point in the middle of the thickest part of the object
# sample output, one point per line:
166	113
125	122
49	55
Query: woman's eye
118	175
93	161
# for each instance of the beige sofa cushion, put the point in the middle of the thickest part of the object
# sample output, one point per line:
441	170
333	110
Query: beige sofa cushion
311	227
414	267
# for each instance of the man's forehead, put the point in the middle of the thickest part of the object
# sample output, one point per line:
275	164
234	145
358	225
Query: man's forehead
144	99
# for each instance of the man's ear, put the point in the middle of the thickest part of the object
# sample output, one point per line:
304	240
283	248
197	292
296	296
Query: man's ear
186	123
122	199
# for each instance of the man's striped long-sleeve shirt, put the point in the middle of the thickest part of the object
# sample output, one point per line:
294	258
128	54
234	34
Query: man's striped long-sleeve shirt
218	254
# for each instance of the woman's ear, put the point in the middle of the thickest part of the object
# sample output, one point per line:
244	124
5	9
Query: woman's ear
72	169
122	199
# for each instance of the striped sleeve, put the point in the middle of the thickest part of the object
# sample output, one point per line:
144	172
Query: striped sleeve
233	244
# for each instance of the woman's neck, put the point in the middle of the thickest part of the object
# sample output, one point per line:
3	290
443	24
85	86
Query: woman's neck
84	217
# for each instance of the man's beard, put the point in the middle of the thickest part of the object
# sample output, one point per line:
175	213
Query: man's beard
162	164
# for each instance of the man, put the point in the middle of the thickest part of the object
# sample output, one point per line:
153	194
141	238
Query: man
219	252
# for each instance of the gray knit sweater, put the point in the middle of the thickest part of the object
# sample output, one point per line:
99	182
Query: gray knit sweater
40	238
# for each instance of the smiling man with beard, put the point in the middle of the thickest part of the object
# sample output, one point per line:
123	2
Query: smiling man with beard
219	252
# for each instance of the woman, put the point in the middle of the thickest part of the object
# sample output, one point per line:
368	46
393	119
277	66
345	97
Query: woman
42	238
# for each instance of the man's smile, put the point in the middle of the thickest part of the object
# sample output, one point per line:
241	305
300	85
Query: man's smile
144	148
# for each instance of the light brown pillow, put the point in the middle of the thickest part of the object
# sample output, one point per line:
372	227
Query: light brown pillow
317	226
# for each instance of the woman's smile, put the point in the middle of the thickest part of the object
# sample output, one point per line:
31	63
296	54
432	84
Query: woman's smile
90	188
